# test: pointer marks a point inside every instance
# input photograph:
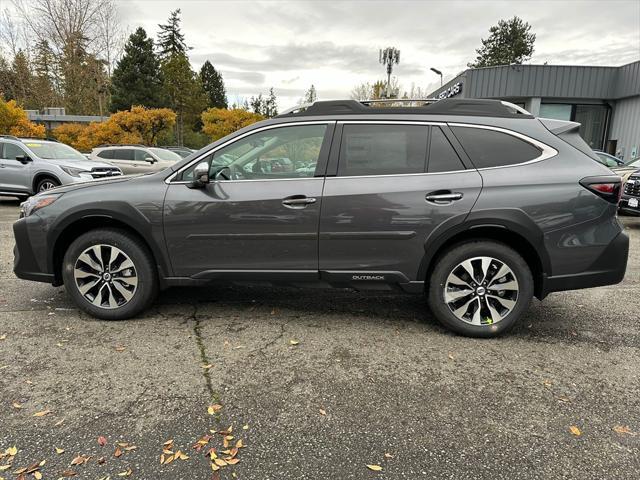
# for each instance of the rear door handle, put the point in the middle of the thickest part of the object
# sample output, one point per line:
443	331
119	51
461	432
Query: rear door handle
443	197
298	201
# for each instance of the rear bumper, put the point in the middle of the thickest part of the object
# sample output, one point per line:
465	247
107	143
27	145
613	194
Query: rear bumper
608	269
25	264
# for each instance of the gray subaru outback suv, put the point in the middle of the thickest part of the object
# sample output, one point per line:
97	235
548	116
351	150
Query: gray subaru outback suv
474	202
32	165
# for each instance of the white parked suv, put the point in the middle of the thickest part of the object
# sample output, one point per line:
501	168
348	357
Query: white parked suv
33	165
132	159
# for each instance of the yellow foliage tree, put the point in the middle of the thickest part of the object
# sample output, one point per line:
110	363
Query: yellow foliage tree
14	121
140	125
220	122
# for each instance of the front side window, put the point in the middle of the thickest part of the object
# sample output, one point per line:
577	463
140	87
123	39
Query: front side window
276	153
12	151
141	155
490	148
369	149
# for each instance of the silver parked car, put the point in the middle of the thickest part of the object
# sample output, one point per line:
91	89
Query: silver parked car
132	159
29	166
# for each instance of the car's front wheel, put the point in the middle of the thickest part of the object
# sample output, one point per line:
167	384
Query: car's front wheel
110	274
47	183
480	288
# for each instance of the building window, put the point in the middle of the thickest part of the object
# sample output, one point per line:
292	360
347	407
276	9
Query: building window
557	111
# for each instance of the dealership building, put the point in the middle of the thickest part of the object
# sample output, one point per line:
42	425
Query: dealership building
604	100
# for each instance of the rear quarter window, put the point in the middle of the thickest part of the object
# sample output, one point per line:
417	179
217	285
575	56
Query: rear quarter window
490	148
106	154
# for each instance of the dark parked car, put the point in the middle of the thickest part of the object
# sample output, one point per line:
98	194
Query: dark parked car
474	202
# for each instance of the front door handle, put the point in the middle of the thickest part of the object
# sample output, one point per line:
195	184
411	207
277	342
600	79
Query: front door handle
298	201
443	197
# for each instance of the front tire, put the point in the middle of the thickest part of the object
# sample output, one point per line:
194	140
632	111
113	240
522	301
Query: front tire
47	183
480	288
110	274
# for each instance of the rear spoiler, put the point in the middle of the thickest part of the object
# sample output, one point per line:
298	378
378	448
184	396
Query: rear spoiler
559	126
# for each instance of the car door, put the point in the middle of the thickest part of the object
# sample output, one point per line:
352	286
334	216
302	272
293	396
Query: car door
144	161
386	196
14	175
124	159
264	219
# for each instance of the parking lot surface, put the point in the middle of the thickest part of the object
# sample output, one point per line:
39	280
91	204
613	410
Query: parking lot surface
318	384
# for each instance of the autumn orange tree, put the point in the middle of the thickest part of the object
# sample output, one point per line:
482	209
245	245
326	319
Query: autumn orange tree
219	122
14	121
139	125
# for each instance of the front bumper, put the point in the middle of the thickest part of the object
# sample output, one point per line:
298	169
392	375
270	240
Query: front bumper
623	205
608	269
25	262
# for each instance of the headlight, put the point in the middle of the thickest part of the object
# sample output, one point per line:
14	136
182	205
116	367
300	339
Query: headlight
37	203
74	172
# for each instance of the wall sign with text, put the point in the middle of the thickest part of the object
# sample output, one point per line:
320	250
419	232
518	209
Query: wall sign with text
452	91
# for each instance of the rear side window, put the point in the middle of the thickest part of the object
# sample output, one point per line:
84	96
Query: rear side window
490	148
123	154
106	154
442	156
382	149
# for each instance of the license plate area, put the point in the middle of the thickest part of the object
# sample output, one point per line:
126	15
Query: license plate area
633	202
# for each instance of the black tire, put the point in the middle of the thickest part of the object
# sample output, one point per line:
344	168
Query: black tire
46	183
448	262
144	268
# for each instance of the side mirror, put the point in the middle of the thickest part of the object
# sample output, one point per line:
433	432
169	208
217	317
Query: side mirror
200	175
149	159
24	159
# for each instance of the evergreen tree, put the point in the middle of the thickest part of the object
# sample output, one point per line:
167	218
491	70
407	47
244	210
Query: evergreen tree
137	78
45	80
256	104
184	93
213	85
171	39
509	43
22	78
270	105
310	96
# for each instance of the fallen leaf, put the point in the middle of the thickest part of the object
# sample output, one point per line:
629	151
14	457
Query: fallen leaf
120	348
126	473
623	430
11	451
80	459
130	448
547	383
207	366
37	475
575	430
388	455
59	451
101	461
102	441
220	462
69	473
117	452
239	444
322	412
42	413
375	468
3	336
4	467
246	427
17	405
213	409
293	342
58	423
451	357
232	461
214	467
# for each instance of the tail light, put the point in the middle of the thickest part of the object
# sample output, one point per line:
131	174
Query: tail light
607	187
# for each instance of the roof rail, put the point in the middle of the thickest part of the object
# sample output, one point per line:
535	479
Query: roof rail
430	106
48	139
12	137
122	145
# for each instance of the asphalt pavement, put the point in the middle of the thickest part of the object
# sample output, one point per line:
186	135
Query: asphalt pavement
317	384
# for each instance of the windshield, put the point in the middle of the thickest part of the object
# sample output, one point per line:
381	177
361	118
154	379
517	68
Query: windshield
166	155
634	163
54	151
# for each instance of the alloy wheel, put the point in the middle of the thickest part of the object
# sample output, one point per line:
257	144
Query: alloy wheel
481	291
46	185
105	276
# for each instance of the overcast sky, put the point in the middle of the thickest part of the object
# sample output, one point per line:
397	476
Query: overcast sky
334	45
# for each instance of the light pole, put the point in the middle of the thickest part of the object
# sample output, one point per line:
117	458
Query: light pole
437	72
389	56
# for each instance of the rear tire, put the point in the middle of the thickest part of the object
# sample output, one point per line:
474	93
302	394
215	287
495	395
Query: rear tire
110	274
489	302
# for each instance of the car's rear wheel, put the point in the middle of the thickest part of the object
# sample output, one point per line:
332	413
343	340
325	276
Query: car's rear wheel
480	288
47	183
110	274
